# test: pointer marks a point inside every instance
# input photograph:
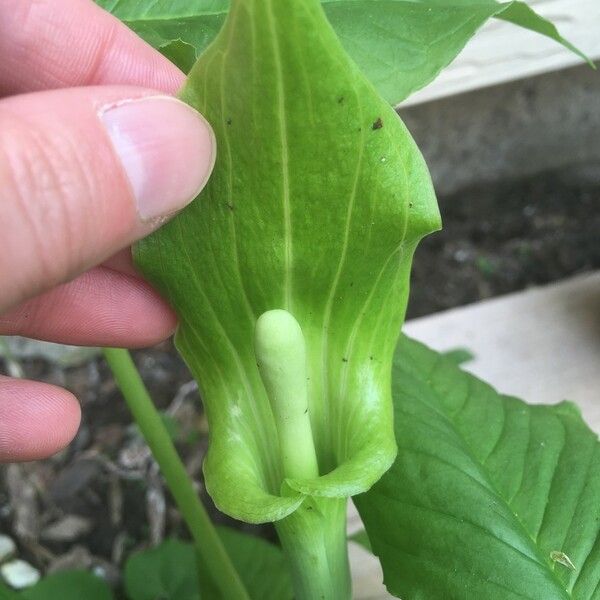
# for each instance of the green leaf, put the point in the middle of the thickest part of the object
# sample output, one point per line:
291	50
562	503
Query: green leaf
162	22
361	537
6	593
261	565
489	497
317	201
180	53
69	585
401	45
519	13
459	356
169	572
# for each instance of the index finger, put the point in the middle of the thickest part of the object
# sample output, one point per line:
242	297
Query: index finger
48	44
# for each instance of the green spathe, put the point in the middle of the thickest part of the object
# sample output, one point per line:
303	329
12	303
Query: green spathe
318	199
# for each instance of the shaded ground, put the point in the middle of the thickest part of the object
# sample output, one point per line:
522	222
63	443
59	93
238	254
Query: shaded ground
102	497
505	238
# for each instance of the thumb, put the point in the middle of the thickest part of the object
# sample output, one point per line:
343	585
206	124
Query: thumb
84	172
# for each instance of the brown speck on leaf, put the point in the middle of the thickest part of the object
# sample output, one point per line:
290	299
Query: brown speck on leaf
230	206
378	124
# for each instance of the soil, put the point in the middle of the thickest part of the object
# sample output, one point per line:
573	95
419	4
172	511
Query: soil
507	237
496	240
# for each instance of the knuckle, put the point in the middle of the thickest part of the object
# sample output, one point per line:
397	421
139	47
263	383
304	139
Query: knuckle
22	20
41	183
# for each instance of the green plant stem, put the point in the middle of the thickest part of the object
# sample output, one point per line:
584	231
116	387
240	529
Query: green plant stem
207	541
315	542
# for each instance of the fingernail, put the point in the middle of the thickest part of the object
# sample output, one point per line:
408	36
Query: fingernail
166	148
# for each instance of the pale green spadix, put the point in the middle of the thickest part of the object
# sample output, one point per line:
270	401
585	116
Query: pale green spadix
317	201
281	361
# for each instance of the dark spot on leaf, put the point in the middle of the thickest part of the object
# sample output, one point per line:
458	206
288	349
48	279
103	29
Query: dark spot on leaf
410	205
378	124
370	358
341	100
228	121
344	360
306	410
230	206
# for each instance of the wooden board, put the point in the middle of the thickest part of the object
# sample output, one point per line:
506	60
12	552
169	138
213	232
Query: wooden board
542	345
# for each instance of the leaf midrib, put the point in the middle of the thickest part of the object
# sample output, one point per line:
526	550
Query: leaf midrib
452	517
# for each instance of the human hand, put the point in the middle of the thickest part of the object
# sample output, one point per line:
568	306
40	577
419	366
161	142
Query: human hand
93	156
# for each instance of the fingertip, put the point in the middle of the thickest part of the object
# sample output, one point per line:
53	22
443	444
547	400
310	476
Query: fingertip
36	419
166	149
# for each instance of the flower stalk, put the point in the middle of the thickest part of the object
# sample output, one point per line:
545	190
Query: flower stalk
315	542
